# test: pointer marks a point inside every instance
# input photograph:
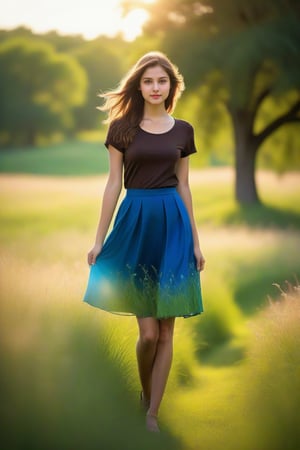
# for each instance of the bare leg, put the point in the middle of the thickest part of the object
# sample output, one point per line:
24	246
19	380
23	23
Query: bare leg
154	355
145	351
162	364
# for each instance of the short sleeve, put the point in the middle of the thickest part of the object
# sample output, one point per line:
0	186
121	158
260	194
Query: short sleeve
189	147
111	141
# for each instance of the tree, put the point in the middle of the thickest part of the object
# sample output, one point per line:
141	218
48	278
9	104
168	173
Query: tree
103	69
245	52
38	89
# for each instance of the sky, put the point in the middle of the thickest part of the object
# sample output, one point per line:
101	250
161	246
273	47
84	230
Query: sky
89	18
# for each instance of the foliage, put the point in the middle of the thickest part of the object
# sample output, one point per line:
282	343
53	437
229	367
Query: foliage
104	71
285	138
61	43
242	53
38	89
19	32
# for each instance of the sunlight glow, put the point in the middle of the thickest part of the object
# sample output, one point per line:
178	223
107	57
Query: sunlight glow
132	23
89	18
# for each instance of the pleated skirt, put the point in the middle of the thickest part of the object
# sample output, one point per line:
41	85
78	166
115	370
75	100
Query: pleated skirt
147	266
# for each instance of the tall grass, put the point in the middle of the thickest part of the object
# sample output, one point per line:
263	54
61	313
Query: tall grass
252	404
62	386
272	380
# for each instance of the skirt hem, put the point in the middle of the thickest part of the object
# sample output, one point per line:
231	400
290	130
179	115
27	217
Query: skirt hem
131	314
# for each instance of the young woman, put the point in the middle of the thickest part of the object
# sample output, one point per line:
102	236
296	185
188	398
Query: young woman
149	264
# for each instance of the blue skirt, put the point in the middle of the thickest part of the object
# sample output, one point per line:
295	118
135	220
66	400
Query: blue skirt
147	266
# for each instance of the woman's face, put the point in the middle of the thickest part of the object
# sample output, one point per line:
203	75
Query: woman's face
155	85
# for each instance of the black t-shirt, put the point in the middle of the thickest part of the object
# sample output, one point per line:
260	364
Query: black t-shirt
150	160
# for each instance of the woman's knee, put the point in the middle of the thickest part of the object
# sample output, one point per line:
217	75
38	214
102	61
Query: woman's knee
166	330
149	332
149	337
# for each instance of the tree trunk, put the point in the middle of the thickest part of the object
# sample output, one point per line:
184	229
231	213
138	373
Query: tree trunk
245	156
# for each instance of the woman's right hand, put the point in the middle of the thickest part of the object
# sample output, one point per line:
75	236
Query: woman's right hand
93	253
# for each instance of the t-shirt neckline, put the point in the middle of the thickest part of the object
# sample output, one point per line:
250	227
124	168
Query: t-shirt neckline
159	134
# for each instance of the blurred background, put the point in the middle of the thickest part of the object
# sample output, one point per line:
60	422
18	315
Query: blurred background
68	373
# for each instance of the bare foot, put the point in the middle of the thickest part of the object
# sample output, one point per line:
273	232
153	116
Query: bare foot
151	423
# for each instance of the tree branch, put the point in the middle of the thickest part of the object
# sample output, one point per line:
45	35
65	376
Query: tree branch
260	98
288	117
256	104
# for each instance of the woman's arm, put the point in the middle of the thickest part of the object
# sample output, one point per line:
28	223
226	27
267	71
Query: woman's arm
110	198
184	191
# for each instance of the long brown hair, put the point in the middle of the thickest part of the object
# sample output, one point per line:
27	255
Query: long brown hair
125	104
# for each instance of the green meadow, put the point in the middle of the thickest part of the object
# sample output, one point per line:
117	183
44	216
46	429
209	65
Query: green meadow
68	373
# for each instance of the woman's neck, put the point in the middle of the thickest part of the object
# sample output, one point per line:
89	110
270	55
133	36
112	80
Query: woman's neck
156	120
155	114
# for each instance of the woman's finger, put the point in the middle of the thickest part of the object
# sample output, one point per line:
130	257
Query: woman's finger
202	264
90	259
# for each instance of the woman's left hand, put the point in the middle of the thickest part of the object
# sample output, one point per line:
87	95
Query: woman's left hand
200	260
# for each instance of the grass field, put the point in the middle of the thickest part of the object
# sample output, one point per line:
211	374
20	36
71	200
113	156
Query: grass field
69	377
67	158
